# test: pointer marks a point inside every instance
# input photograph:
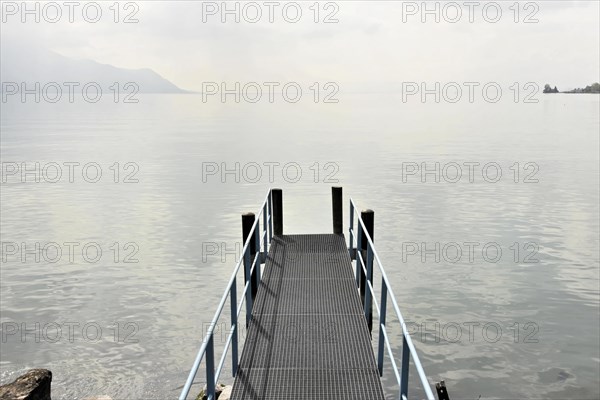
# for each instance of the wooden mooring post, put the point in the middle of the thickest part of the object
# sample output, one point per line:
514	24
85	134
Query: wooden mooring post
368	217
441	390
338	213
277	196
247	222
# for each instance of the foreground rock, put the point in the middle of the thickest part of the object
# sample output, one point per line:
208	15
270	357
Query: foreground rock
34	385
226	393
222	392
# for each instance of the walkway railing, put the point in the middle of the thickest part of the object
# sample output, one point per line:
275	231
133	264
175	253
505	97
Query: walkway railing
361	235
255	241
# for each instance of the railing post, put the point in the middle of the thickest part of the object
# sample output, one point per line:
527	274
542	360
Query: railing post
210	368
270	204
383	311
256	274
277	211
368	305
263	258
405	365
359	272
368	218
247	222
234	330
350	233
338	214
247	264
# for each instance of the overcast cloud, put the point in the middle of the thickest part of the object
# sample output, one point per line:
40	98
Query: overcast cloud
370	48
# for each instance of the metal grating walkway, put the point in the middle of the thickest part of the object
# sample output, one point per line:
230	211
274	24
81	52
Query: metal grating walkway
308	336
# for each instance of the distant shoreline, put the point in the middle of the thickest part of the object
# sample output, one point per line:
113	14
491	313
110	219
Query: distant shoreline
594	88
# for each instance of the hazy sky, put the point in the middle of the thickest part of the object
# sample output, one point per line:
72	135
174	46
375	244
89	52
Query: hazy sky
373	44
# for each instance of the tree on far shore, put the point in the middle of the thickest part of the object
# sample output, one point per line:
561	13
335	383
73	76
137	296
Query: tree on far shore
594	88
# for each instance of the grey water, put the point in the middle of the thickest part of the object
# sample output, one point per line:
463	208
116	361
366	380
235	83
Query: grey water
518	320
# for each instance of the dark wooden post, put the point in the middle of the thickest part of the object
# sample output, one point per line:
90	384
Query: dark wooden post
338	215
368	218
247	222
277	196
442	392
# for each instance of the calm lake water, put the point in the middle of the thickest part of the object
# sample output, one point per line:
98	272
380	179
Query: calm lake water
523	323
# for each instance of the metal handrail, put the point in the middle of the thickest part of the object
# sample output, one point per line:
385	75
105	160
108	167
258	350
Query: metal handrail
207	347
408	347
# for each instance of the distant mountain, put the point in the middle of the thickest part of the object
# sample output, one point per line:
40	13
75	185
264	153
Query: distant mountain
35	65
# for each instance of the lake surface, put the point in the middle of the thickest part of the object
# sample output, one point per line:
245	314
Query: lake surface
520	324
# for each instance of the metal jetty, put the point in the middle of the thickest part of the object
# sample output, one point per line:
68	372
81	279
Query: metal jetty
309	313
